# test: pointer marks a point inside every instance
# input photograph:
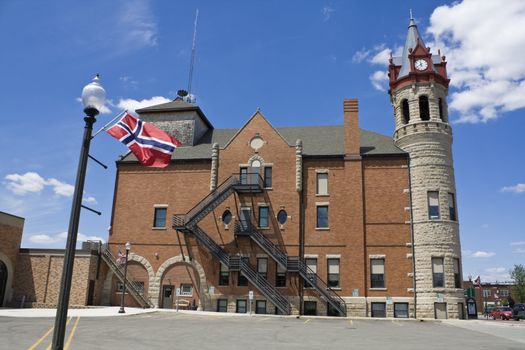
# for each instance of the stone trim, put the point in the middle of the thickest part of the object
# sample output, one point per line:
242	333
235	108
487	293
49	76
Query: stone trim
376	256
299	165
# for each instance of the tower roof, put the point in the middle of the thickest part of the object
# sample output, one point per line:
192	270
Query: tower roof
412	39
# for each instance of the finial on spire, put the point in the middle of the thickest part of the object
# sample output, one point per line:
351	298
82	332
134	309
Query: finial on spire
411	17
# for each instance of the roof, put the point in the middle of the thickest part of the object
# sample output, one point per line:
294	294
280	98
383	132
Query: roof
317	141
411	41
177	105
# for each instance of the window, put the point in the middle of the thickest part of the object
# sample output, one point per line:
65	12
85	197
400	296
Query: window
424	111
139	286
504	293
280	276
310	308
331	311
452	207
322	216
120	287
260	307
262	266
224	276
244	175
333	273
322	183
227	217
440	106
437	273
401	310
311	271
159	220
241	306
282	216
433	205
406	111
378	310
186	289
268	176
486	293
457	275
377	269
263	217
242	281
222	305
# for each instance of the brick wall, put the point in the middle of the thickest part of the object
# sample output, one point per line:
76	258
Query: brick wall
11	228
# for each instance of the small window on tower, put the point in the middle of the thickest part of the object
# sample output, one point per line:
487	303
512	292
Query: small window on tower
433	205
405	110
440	105
424	111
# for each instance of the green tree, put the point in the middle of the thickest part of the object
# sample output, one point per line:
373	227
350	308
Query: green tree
518	276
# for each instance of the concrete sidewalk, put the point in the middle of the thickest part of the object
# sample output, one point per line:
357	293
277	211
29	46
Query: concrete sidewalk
104	311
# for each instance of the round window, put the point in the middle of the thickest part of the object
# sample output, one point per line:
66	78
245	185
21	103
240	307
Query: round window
227	217
256	143
282	216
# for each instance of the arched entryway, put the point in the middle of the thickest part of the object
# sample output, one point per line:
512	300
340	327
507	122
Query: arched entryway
136	272
3	281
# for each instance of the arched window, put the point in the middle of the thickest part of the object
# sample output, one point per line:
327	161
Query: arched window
424	112
440	105
405	111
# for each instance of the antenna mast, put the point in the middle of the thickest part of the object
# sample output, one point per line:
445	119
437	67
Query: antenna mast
192	62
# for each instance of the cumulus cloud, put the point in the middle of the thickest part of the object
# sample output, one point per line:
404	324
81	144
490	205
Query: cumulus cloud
477	254
327	13
45	239
378	55
131	104
379	80
519	188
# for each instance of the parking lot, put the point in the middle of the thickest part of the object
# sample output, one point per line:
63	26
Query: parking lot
169	330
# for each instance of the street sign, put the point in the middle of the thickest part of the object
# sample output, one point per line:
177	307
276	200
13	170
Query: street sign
440	297
250	295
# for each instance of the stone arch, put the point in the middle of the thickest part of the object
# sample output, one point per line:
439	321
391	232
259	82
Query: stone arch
405	111
155	284
9	283
254	158
424	108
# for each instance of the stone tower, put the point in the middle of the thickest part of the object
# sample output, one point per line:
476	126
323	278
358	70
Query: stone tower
418	91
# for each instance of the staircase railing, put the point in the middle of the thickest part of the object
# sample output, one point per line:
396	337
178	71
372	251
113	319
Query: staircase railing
135	289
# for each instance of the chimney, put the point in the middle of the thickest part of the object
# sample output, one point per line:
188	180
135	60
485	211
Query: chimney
351	126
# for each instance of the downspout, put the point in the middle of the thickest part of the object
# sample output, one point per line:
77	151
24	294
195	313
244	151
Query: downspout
299	178
412	238
365	248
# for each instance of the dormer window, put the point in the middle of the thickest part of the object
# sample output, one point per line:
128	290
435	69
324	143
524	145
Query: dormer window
405	111
424	111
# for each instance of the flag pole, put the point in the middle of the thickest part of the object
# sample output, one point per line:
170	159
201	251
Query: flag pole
107	124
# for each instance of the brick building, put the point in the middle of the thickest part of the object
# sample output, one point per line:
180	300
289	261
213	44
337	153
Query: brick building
490	294
320	220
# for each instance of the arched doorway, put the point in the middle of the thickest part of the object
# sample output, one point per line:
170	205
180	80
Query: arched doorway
137	273
3	281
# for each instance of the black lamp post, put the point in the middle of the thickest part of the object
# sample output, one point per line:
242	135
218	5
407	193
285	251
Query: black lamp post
93	99
128	248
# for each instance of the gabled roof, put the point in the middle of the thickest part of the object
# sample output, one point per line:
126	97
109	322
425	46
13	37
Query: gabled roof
177	105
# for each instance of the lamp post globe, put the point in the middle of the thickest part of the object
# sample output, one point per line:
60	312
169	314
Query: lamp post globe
93	97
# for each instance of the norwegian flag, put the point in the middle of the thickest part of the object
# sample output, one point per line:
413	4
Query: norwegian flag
477	282
152	146
121	258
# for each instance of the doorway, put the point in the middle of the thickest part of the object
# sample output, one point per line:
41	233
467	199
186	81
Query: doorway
3	282
440	311
167	296
244	218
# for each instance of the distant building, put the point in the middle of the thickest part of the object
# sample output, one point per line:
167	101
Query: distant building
490	294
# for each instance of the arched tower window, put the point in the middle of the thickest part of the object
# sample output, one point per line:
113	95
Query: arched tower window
440	105
405	111
424	112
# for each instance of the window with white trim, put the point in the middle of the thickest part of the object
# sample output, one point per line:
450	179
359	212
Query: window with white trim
377	270
186	289
159	218
433	205
333	273
438	275
322	184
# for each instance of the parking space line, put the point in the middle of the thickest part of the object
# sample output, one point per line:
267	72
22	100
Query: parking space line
44	336
71	334
397	323
351	322
308	320
264	319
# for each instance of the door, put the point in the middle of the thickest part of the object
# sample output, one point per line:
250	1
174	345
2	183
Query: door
167	297
244	219
3	282
461	313
91	292
440	311
255	169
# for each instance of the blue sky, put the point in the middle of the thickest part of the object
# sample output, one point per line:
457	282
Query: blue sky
296	60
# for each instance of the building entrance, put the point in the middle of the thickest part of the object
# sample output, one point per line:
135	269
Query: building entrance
167	296
440	311
3	282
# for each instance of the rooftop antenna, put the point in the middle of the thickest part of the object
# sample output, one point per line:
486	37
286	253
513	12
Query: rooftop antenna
192	62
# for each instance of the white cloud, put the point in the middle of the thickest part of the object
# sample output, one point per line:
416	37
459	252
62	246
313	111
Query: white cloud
131	104
136	24
29	182
327	12
89	199
379	80
103	110
517	243
519	188
361	55
477	254
45	239
483	56
494	274
518	247
61	188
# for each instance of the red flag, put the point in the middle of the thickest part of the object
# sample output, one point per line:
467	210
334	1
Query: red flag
152	146
477	282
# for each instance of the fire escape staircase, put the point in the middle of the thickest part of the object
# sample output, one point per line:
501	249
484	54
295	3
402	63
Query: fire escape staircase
187	223
135	289
293	264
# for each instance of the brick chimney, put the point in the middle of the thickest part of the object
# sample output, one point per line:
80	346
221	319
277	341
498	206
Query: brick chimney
351	125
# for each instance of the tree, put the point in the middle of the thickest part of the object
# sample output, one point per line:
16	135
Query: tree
518	275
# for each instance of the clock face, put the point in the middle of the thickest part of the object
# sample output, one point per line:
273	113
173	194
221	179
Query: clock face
421	64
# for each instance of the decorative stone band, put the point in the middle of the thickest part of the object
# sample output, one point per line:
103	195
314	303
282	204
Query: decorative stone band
299	165
214	166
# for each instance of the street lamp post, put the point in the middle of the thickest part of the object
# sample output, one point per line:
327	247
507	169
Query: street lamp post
93	99
128	248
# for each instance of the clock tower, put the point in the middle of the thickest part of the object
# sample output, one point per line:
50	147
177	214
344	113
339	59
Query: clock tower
418	91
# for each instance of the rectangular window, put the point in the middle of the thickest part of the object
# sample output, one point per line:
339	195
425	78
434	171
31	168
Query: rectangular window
486	293
377	270
224	276
186	289
262	267
438	273
378	310
452	207
457	275
159	220
310	308
263	217
242	281
322	183
401	310
139	285
260	307
322	216
244	175
504	293
333	273
268	176
120	287
433	205
280	277
241	306
222	305
311	272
